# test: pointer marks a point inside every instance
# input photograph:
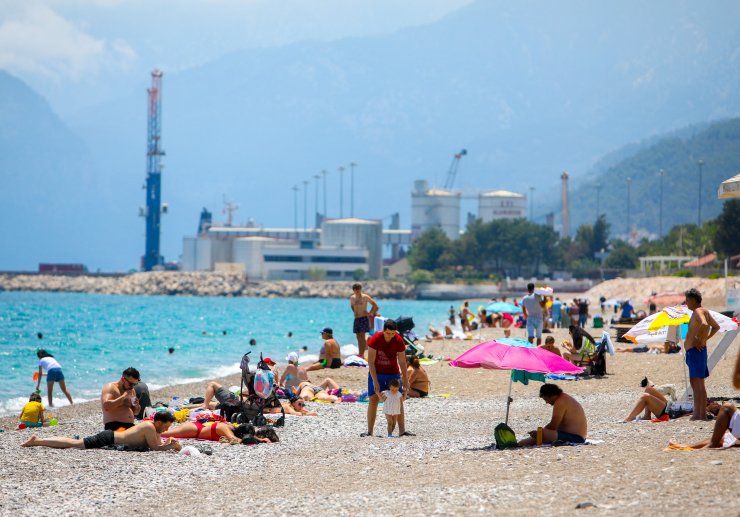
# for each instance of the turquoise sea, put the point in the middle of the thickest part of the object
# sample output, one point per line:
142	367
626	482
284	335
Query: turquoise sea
95	337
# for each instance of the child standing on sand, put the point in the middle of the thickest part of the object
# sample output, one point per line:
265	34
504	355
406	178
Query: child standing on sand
392	404
33	413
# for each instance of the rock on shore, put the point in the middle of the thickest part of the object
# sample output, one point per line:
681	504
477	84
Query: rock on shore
197	284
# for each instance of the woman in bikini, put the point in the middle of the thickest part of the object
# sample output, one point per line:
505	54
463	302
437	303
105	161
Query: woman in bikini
418	379
215	432
308	391
293	374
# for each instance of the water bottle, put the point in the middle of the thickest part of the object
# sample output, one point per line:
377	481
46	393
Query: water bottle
175	404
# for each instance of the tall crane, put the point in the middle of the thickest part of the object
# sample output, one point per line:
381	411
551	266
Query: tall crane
154	152
452	172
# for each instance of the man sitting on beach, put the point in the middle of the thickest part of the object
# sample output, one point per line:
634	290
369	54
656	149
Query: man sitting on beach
701	327
145	435
119	401
568	422
330	355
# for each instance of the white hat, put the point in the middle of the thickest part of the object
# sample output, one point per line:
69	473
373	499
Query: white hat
293	357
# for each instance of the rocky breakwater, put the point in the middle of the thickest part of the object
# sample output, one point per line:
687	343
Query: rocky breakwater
196	284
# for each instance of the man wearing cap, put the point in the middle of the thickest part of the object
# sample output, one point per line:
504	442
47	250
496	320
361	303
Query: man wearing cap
330	356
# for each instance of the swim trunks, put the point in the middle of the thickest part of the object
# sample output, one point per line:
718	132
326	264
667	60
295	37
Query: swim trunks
227	397
54	375
696	360
335	363
384	380
421	393
570	437
361	325
102	439
114	426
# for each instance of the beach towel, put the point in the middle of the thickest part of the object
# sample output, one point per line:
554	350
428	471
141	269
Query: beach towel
355	360
728	440
561	377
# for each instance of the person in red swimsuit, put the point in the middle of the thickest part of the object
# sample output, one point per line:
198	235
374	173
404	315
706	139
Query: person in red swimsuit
213	431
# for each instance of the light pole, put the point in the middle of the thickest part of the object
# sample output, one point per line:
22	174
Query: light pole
629	226
531	203
305	204
295	208
316	201
598	191
700	163
323	173
352	166
661	173
341	191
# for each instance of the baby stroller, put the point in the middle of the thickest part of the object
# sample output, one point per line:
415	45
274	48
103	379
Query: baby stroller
251	408
405	326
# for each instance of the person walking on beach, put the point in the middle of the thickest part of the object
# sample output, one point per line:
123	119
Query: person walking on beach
465	316
392	404
358	303
532	307
568	422
702	327
387	361
119	401
146	435
53	374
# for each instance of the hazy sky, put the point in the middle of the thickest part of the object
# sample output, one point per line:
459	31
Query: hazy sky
80	52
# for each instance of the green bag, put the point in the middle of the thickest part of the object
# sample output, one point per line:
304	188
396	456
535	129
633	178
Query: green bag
504	436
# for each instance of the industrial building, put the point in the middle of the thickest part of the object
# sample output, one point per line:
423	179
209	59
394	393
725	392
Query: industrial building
434	208
339	248
501	204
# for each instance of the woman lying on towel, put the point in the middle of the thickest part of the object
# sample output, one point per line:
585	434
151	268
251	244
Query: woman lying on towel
223	432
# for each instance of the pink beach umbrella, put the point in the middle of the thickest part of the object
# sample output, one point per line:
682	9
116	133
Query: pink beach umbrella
514	354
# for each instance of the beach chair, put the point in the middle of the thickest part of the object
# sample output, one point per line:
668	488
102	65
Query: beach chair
593	358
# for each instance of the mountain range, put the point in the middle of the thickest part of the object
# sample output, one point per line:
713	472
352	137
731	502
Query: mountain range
528	88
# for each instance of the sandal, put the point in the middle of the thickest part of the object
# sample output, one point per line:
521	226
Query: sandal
365	435
407	433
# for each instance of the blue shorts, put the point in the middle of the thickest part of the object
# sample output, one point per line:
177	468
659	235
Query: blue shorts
697	362
570	437
384	380
534	326
54	375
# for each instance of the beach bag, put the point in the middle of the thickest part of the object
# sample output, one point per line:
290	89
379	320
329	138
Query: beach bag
263	382
504	437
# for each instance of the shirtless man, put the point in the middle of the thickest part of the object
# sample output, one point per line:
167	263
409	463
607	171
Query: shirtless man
702	326
141	436
358	302
330	355
550	346
119	401
568	423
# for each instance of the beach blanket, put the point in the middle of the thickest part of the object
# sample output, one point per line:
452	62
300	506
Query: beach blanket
728	440
561	377
355	360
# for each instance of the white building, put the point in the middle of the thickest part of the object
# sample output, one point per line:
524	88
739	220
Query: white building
501	204
434	208
341	247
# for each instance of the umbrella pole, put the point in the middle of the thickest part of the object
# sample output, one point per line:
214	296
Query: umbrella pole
508	401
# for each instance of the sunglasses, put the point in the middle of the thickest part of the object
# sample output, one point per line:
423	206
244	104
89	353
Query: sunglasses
132	384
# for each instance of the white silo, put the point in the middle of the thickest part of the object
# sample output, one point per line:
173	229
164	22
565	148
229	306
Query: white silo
501	204
356	233
434	208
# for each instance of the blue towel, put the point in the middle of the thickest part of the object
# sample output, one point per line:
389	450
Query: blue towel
560	377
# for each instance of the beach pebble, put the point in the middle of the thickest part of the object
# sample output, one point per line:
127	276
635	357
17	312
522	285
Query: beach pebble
716	462
585	504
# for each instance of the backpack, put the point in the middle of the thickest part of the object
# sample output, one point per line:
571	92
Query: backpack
504	436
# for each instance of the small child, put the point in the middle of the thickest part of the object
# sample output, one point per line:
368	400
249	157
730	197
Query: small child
392	404
33	412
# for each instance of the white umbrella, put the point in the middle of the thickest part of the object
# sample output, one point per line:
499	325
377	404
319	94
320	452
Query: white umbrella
730	188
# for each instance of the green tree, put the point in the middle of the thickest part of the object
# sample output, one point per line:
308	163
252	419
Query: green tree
727	238
622	256
428	249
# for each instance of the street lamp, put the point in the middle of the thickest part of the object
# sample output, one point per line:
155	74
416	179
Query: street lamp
352	166
629	225
661	173
323	173
316	201
700	163
531	203
341	191
305	204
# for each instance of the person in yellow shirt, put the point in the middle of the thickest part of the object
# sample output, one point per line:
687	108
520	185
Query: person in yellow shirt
33	412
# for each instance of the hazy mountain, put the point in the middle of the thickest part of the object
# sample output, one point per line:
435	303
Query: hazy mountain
677	154
529	88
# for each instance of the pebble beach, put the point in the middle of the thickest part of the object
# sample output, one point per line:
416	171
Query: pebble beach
322	466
